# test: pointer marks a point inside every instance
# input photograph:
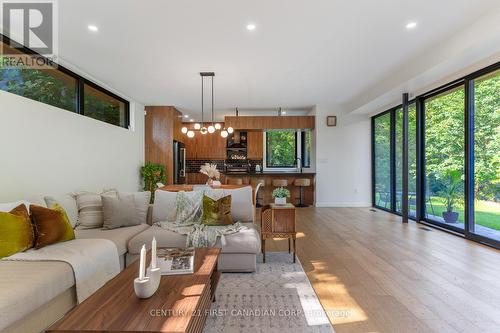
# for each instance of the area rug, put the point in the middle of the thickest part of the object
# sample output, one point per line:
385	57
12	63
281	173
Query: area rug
276	298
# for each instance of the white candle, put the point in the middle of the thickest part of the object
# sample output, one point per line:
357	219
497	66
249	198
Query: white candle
142	263
153	253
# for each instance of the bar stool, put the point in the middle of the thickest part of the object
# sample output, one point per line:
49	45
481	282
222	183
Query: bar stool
255	184
280	183
301	183
234	181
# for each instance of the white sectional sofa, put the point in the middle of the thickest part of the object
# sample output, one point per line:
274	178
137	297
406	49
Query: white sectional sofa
35	294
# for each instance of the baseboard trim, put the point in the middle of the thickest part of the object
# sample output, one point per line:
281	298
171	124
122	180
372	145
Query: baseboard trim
343	204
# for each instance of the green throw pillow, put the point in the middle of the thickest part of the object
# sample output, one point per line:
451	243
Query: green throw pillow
217	212
16	232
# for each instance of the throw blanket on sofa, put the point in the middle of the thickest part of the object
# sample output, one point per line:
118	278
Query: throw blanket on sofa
200	235
94	261
188	220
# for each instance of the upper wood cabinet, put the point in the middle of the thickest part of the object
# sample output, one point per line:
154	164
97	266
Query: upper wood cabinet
161	128
255	141
272	122
205	146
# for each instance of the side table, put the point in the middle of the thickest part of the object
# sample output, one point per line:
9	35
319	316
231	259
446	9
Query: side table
278	221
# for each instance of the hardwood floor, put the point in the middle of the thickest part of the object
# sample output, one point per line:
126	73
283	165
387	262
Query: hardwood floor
374	274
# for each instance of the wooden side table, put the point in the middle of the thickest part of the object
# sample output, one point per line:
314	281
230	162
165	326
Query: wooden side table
278	221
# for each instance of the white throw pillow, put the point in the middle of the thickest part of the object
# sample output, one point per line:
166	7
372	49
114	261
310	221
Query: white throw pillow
141	200
164	208
90	209
68	203
242	208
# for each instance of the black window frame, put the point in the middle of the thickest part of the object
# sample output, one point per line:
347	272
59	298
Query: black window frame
80	82
303	148
467	82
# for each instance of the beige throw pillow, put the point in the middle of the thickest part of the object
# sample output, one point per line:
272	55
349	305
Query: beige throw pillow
119	211
90	209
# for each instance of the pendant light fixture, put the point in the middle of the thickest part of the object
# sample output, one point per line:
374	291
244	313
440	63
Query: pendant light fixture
212	127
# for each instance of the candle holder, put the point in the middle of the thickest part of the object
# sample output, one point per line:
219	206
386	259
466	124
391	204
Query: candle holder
154	275
144	288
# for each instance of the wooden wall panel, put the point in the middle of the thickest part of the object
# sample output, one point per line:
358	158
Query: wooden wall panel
255	141
271	122
204	147
160	122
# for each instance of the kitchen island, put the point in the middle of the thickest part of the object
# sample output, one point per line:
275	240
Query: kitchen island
268	176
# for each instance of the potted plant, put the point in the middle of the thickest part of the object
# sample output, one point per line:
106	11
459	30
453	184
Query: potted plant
152	174
451	194
280	194
212	173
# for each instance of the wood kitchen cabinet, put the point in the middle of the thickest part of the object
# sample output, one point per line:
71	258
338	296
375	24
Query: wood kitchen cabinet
162	126
205	147
270	122
255	142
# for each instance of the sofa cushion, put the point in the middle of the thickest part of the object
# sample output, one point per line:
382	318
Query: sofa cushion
119	236
16	231
68	203
244	241
26	286
119	211
90	209
141	200
242	208
217	212
164	207
51	225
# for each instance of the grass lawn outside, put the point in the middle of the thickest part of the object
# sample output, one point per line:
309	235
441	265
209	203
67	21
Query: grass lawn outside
487	213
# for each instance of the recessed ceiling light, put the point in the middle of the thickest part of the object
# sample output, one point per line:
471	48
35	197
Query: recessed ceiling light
191	120
93	28
411	25
251	27
186	116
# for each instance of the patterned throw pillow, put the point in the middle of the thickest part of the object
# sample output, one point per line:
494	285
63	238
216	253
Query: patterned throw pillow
189	207
217	212
16	231
51	225
90	209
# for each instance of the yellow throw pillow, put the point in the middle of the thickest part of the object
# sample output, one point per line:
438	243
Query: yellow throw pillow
51	225
16	231
217	212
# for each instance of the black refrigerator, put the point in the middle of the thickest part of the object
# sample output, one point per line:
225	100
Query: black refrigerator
179	163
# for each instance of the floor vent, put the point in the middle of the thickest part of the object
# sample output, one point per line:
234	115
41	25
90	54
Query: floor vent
425	229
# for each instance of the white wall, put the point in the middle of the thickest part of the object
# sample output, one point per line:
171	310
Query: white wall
343	155
47	150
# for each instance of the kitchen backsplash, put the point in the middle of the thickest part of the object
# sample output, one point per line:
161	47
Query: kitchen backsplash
193	166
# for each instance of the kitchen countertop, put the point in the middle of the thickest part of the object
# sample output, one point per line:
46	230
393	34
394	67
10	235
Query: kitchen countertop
269	173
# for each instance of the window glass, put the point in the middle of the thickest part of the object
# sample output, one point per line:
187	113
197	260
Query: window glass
49	86
444	158
487	155
382	134
281	149
101	106
306	148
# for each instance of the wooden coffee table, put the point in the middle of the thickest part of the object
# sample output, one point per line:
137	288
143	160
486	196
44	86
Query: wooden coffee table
180	304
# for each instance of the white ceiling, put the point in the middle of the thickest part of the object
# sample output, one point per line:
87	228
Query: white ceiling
302	53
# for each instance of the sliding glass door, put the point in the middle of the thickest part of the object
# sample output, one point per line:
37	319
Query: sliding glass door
382	157
487	156
453	157
444	158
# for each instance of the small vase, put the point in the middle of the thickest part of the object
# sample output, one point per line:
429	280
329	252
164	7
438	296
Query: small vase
210	181
280	201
